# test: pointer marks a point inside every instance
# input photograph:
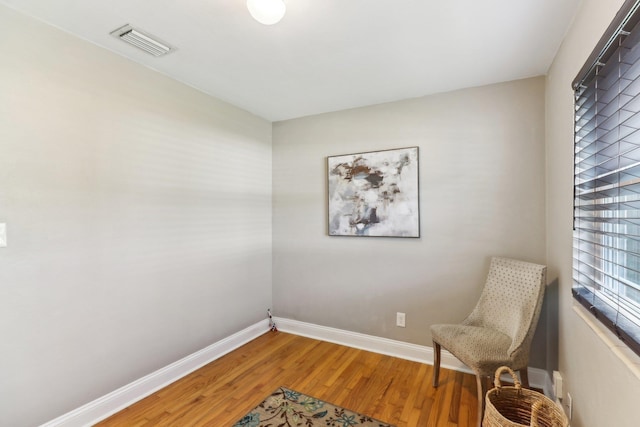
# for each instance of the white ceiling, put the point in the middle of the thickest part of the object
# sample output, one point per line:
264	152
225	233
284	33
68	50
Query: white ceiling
327	55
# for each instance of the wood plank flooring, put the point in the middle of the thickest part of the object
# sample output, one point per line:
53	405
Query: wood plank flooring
393	390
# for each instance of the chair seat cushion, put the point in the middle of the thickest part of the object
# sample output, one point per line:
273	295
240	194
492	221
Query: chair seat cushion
482	349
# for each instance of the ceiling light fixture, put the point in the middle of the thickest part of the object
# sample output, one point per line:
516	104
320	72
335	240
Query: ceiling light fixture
267	12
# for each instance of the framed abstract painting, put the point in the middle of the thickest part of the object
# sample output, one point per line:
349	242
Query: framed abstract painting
374	194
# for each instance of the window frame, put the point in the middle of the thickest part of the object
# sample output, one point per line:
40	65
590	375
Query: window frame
592	297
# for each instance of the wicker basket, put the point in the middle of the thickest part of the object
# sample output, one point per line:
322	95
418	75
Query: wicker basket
519	407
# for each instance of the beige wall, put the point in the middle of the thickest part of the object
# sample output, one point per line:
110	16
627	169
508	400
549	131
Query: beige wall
604	390
481	194
139	218
139	221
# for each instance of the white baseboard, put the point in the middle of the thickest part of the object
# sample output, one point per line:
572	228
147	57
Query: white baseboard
119	399
538	378
403	350
123	397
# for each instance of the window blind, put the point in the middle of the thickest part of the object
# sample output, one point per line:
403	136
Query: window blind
606	238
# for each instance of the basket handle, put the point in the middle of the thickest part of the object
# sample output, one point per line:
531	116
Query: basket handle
537	406
500	371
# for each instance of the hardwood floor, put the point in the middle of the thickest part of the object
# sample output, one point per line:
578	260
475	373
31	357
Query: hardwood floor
393	390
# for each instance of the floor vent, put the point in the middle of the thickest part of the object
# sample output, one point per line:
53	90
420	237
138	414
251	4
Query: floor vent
142	40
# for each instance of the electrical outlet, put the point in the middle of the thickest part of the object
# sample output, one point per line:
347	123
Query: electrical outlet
569	406
3	235
401	319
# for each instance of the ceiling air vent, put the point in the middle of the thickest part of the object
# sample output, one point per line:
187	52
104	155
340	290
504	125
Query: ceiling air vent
142	40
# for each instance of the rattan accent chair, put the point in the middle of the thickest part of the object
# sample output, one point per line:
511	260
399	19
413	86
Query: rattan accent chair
499	330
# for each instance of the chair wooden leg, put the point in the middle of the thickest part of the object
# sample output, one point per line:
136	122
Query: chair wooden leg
524	377
436	364
482	383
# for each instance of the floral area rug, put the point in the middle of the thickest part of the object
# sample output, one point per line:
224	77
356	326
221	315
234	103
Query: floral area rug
288	408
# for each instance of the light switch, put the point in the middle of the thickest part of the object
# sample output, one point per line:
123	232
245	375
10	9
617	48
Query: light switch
3	235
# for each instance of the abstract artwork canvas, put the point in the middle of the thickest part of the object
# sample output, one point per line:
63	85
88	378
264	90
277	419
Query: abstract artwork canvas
374	194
